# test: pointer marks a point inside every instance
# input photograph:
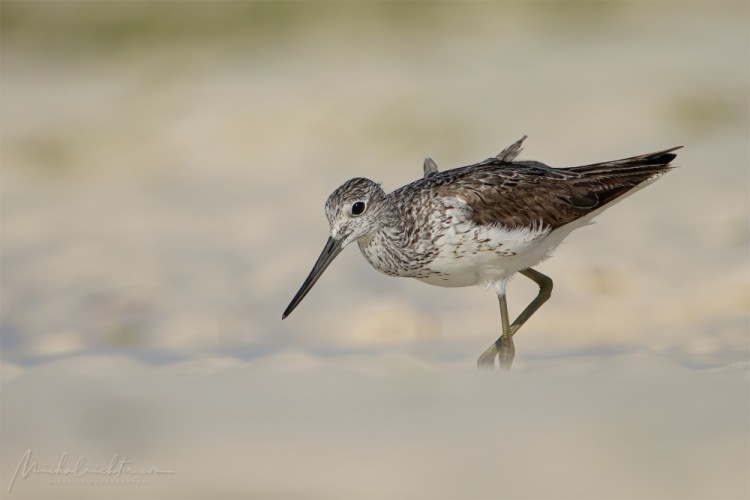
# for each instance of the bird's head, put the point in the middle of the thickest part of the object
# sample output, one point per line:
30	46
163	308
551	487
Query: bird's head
354	211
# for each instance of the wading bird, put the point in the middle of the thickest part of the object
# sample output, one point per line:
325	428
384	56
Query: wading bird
479	224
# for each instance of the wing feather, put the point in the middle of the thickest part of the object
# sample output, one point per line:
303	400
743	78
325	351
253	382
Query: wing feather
528	193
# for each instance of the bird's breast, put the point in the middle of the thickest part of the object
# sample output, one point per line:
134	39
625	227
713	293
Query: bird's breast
458	254
398	254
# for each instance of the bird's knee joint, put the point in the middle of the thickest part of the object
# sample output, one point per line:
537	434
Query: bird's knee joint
545	287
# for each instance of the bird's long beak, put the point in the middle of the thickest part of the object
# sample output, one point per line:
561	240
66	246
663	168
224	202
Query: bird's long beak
330	251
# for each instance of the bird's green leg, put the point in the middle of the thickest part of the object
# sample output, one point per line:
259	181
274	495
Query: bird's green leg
545	291
503	346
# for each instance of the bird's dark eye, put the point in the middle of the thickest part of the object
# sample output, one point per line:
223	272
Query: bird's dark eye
358	207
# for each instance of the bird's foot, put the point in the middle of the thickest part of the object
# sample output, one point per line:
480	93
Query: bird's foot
503	349
487	358
506	351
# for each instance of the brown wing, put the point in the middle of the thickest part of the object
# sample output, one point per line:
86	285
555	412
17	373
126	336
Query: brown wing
612	179
515	195
526	193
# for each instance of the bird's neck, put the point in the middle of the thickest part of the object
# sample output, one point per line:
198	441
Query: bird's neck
386	247
388	231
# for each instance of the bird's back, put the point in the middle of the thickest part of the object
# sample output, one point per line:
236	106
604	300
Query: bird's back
526	193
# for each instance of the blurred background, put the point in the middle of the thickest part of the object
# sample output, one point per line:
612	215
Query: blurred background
164	170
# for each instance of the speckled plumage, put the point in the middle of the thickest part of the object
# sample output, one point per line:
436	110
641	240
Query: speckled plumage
479	224
490	212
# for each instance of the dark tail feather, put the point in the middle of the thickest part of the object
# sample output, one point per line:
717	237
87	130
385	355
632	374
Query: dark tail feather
655	161
610	180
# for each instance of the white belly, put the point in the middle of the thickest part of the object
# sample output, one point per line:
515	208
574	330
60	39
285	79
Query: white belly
487	255
477	255
484	255
469	254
